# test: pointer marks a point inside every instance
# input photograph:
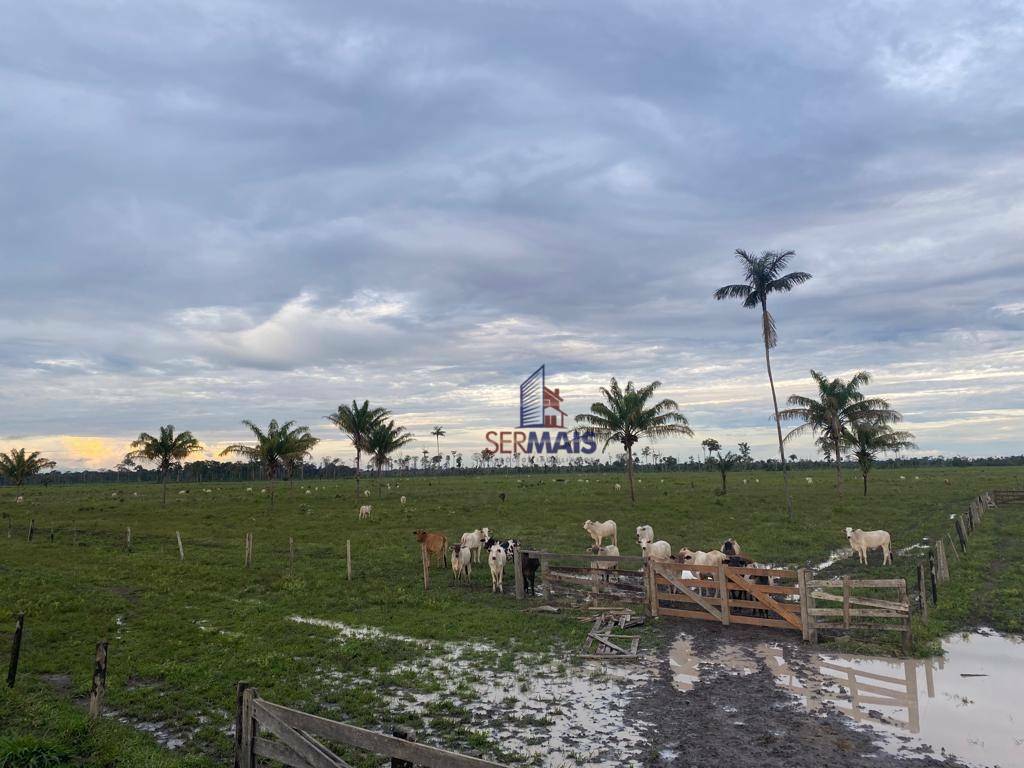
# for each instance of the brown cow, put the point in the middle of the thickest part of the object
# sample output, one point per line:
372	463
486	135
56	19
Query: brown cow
436	544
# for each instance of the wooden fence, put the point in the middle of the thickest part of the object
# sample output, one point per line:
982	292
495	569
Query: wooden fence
861	606
765	597
294	740
577	577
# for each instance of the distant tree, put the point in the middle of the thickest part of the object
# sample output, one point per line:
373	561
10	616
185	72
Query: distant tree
710	445
793	457
745	457
626	416
17	466
839	407
385	440
868	440
358	421
166	450
724	464
277	450
764	276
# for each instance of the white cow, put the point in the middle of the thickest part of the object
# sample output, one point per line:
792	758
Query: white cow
462	562
605	565
862	541
809	480
618	487
402	500
474	541
656	550
366	493
248	490
644	533
364	511
599	531
699	557
20	500
497	560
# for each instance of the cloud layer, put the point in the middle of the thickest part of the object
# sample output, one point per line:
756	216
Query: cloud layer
227	210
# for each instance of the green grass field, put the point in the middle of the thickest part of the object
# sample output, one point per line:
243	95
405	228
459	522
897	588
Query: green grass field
182	633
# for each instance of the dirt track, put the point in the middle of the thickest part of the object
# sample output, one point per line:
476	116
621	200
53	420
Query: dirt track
747	720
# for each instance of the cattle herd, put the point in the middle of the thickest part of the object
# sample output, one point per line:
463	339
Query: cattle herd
473	545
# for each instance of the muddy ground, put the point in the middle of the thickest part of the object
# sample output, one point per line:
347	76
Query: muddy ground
728	719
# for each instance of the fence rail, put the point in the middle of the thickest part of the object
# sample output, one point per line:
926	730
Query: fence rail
294	743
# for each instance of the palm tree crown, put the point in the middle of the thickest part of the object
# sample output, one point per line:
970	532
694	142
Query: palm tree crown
870	439
277	449
17	466
358	421
383	441
165	449
626	416
840	406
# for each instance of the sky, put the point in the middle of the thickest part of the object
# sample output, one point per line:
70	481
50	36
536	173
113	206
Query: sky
214	210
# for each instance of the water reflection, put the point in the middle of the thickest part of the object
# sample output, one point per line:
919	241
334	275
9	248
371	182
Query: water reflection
965	703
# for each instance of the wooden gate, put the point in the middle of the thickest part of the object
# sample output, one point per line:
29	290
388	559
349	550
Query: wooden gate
766	597
293	744
864	604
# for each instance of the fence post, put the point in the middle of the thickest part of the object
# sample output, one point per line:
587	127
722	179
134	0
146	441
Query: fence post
805	599
931	576
239	707
425	558
723	593
31	528
905	600
406	734
970	520
651	584
128	539
940	562
10	526
348	558
961	533
291	553
245	757
921	590
99	680
952	547
12	669
544	582
846	602
181	549
517	567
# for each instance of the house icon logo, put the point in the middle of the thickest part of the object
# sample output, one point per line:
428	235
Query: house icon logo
539	405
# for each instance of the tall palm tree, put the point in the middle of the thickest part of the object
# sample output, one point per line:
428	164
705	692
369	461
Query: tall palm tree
165	450
764	276
358	421
384	440
438	432
277	450
840	406
868	440
17	466
626	416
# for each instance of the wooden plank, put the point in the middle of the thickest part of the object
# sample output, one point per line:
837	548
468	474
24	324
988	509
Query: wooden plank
278	751
869	602
307	748
705	603
755	591
847	613
838	582
723	593
860	625
679	613
371	741
517	569
605	640
245	757
759	622
846	601
805	604
99	680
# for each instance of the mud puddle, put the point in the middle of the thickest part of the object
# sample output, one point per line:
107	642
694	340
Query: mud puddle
556	713
963	705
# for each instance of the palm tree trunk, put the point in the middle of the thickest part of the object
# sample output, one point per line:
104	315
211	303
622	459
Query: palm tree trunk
629	472
837	436
778	429
723	482
271	488
865	483
163	482
359	454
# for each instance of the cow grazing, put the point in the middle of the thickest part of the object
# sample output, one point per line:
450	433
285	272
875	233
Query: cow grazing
436	544
862	541
497	559
656	550
946	482
731	547
618	487
366	493
644	533
248	490
809	480
474	541
402	500
599	531
20	500
462	559
364	511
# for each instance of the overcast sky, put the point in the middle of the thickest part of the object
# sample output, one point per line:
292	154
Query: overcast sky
213	211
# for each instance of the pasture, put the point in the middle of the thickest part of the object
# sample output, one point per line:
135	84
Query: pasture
182	633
